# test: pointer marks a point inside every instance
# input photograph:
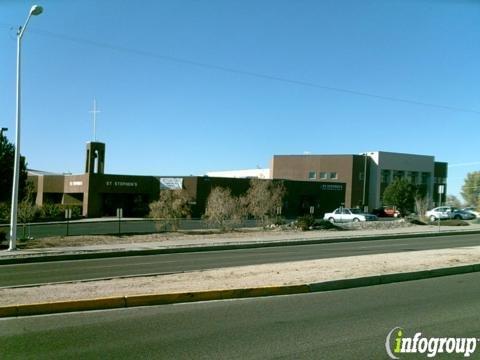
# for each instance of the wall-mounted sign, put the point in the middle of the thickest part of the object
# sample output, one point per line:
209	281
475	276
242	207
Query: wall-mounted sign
171	183
75	183
121	183
332	187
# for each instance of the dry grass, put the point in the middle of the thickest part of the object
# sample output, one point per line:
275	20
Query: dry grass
203	236
87	240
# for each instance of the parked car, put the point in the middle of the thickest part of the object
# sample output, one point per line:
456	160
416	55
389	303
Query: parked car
472	210
342	215
386	211
448	212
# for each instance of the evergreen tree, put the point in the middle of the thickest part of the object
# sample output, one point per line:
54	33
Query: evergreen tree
401	194
7	156
471	189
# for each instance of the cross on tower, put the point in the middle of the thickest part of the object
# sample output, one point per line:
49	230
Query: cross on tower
94	111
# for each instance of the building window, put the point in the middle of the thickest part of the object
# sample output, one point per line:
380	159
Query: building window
333	175
397	175
413	177
425	178
385	176
360	176
312	175
323	175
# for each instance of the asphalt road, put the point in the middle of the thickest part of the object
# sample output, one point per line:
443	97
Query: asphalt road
35	273
345	324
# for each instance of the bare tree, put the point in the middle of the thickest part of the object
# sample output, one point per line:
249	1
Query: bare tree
422	204
223	208
27	210
171	206
264	197
452	200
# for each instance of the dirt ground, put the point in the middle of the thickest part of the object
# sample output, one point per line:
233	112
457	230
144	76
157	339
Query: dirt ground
86	240
259	233
287	273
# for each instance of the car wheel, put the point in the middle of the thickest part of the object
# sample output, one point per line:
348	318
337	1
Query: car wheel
433	218
457	217
332	220
356	220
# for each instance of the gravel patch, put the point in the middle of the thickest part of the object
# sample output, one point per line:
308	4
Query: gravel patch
287	273
256	234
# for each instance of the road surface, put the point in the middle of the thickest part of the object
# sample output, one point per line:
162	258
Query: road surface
345	324
36	273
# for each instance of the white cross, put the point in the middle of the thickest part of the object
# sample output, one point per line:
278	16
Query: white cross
94	112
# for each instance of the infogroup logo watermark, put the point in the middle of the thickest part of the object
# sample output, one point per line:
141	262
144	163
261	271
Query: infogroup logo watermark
398	344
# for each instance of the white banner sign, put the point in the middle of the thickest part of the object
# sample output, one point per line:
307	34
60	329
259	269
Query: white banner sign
171	183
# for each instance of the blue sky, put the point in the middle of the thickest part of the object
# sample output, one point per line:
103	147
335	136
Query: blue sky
189	86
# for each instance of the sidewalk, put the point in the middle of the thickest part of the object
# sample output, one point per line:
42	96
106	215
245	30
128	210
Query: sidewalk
178	242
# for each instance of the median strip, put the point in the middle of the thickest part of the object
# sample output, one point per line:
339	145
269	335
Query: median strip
153	248
240	282
165	299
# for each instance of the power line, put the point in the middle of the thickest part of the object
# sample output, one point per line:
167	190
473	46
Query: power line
245	72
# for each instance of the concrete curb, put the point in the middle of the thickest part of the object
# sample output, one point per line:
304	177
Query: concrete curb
93	254
163	299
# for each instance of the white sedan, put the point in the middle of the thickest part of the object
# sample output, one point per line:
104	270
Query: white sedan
448	212
342	215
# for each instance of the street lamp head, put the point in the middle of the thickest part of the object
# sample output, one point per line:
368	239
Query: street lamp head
36	10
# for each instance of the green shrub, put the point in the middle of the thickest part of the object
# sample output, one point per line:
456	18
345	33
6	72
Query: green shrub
325	225
52	211
3	236
305	222
27	212
76	212
416	222
453	223
57	211
4	211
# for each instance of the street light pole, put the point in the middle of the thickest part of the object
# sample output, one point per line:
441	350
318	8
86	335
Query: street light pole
364	181
35	10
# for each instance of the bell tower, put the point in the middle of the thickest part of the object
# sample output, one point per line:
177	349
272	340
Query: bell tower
95	159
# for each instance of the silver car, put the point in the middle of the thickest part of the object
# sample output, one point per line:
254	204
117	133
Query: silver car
472	210
448	212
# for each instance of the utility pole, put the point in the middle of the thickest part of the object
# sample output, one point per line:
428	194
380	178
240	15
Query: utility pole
34	11
364	181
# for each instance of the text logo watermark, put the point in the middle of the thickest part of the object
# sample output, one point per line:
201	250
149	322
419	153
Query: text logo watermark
397	344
